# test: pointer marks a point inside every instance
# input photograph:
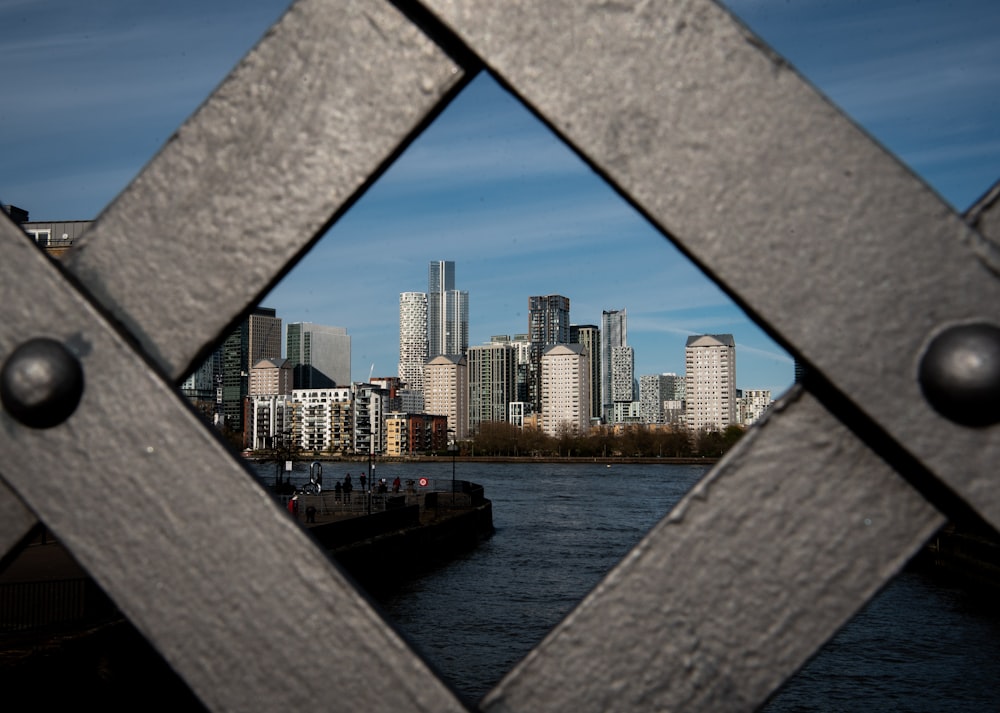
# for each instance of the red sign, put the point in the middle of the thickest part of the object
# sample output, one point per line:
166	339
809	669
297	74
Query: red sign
423	482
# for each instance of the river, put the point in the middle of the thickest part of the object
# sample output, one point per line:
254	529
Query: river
921	645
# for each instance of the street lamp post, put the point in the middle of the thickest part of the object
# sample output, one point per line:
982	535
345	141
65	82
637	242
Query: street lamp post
453	447
277	460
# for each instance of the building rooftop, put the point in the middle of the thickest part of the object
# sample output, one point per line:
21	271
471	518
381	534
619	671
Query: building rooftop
709	340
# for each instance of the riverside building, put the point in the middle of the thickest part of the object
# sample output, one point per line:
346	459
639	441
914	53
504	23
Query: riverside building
565	390
270	377
447	311
589	336
710	389
752	404
655	390
313	423
257	337
412	339
614	333
548	324
446	391
492	370
320	355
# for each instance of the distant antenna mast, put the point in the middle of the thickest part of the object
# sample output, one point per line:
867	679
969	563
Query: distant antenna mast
370	372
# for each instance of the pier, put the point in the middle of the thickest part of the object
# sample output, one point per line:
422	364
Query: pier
382	538
56	621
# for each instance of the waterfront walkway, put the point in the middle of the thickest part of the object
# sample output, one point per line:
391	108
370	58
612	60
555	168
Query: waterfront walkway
328	506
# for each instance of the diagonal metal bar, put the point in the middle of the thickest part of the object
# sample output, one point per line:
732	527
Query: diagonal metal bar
212	630
984	216
303	125
300	127
196	555
734	590
825	238
15	519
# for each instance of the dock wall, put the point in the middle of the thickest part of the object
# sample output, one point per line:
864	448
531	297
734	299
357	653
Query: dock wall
387	558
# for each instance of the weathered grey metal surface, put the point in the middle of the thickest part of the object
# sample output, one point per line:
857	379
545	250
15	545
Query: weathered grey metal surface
984	216
758	566
714	138
227	587
15	519
301	125
838	247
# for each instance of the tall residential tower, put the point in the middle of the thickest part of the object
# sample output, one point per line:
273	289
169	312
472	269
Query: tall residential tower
412	339
447	311
589	336
548	324
614	333
710	389
565	390
492	370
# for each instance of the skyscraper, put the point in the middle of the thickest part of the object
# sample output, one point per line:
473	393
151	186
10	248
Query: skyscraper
614	333
522	345
412	339
589	336
492	372
447	311
265	336
257	337
710	389
548	324
320	355
622	374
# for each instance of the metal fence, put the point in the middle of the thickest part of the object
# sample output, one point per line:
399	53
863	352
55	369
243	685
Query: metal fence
705	131
26	606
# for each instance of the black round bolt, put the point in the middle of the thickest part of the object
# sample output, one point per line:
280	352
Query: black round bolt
41	383
960	374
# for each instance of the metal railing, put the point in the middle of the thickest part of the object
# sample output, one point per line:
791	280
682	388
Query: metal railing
25	606
698	125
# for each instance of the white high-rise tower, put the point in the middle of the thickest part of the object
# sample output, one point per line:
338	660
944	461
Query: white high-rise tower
710	389
412	339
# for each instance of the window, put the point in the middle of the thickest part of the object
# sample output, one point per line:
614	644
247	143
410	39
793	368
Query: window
41	236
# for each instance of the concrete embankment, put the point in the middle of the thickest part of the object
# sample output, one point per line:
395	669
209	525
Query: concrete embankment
964	553
388	554
383	548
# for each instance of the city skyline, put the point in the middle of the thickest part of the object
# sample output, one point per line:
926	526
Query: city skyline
487	185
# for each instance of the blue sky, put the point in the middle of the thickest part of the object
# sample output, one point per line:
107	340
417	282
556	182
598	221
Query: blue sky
92	90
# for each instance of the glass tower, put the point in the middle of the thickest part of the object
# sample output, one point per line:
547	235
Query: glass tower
447	311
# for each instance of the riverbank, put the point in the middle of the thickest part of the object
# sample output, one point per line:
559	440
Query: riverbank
383	540
965	554
392	554
57	624
527	460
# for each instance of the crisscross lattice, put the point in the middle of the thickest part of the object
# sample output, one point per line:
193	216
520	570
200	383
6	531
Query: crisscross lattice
855	264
